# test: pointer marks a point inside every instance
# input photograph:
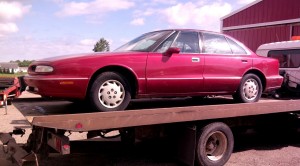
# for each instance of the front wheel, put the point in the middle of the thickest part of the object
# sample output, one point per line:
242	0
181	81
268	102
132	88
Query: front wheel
250	89
214	144
110	92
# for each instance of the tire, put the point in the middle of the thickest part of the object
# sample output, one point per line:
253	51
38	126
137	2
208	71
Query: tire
214	145
110	92
250	89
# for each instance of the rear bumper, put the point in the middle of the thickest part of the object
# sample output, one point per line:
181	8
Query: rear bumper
273	83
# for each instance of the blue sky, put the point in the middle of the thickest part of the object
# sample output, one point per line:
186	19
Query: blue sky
36	29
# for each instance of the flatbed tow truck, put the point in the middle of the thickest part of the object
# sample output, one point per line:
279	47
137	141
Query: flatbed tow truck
203	131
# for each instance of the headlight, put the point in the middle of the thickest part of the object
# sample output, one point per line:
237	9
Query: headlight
43	69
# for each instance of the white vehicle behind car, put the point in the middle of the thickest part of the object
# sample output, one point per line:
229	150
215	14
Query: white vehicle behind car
288	54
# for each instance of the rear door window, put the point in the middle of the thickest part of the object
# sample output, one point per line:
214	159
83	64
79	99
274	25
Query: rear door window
215	44
236	49
287	58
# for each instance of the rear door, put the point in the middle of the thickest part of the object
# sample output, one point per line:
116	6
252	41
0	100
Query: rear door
225	63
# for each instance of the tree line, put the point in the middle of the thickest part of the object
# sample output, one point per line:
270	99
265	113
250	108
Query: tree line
24	63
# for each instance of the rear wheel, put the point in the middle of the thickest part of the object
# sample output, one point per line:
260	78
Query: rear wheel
110	92
250	89
214	144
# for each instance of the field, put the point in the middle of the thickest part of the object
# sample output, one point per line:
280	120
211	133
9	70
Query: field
12	75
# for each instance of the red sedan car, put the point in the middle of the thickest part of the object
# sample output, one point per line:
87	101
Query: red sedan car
166	63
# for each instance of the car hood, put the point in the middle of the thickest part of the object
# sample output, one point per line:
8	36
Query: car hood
85	55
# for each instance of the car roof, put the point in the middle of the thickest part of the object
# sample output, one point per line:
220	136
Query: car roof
194	30
280	45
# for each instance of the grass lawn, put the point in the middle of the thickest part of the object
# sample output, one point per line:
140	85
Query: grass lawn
12	75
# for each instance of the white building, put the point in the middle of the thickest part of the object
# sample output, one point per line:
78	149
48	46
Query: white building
9	67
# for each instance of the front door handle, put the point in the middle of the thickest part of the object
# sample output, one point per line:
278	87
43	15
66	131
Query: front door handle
195	59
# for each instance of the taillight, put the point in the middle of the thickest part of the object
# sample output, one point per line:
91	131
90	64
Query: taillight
78	126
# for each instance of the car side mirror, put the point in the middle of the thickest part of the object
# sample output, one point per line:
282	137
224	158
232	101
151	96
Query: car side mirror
172	50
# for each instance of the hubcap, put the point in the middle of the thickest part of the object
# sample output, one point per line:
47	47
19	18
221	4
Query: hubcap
111	94
216	146
250	89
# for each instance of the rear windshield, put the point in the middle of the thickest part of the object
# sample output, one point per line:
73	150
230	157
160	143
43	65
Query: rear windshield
287	58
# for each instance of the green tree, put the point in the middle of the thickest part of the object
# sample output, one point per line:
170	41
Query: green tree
24	63
101	46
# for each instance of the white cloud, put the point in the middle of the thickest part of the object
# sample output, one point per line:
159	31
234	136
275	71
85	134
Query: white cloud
165	1
9	13
245	1
96	7
32	48
88	42
137	21
58	1
160	2
145	12
12	10
8	28
179	15
196	15
124	40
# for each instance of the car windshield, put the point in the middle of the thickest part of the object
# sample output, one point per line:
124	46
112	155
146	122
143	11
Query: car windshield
144	42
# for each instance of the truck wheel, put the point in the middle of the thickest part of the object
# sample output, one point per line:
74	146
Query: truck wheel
110	92
250	89
214	144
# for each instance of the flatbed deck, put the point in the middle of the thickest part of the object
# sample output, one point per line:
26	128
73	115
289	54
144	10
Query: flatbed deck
69	116
198	124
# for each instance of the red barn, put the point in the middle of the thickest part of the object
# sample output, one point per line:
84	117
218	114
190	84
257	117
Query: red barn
263	21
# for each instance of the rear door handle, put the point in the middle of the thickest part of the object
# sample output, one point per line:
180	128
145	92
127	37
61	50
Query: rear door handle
195	59
244	61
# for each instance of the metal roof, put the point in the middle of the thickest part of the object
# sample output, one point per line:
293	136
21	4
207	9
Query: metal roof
9	65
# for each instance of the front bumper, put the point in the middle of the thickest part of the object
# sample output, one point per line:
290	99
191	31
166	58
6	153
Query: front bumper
54	86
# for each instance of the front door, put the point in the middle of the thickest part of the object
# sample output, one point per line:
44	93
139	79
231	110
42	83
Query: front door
179	73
